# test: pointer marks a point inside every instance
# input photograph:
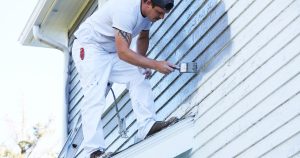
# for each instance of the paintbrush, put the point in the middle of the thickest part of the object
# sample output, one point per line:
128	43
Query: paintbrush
187	67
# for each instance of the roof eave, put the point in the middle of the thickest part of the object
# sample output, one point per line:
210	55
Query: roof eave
36	18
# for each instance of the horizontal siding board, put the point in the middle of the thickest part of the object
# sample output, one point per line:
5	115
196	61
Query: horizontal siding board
198	48
214	54
167	90
76	96
266	125
158	29
296	155
73	85
272	48
75	101
217	129
76	89
243	123
262	123
220	60
195	28
283	143
241	43
226	120
207	56
71	65
192	41
72	122
172	42
161	40
185	88
179	4
73	74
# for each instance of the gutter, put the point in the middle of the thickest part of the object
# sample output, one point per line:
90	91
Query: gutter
40	37
52	43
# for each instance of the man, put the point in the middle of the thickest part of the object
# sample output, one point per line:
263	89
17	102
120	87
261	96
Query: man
102	53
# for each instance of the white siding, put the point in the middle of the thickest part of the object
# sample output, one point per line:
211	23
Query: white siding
249	105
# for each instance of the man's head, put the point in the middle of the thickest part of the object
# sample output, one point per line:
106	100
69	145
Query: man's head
156	9
164	4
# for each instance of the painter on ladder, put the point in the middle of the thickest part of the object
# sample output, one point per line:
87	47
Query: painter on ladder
102	53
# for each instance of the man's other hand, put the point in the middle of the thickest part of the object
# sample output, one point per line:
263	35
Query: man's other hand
146	71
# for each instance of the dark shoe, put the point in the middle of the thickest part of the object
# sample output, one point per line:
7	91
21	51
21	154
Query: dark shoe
159	125
96	154
108	155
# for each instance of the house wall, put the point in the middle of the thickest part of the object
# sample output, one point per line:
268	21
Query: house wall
248	99
246	95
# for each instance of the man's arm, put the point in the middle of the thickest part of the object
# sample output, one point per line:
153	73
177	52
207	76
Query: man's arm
123	40
142	42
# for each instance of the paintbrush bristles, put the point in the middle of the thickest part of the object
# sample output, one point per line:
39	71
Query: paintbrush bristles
190	67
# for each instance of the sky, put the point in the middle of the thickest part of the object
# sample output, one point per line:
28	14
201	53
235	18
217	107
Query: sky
31	78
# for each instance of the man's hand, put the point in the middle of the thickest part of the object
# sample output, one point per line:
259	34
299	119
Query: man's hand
164	67
146	71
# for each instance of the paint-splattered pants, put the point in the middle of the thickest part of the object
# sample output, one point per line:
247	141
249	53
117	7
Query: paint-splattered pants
95	68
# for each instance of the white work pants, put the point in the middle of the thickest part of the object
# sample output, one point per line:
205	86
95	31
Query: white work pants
96	67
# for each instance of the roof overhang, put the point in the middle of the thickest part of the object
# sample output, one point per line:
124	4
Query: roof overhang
52	20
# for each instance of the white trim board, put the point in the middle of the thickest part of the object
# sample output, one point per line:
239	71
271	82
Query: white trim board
168	143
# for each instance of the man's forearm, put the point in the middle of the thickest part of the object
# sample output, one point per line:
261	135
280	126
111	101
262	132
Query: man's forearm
137	59
142	46
142	43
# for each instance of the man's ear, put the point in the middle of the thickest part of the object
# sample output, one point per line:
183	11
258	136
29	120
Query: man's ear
149	2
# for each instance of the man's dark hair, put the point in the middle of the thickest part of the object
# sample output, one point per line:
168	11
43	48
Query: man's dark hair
164	4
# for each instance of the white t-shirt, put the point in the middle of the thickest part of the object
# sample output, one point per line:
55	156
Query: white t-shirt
125	15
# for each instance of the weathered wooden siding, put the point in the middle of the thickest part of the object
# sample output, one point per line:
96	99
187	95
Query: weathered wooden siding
248	104
247	94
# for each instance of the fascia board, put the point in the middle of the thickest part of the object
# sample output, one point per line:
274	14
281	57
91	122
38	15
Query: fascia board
36	18
170	142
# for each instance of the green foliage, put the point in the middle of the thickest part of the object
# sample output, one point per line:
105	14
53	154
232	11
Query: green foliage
26	145
7	153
